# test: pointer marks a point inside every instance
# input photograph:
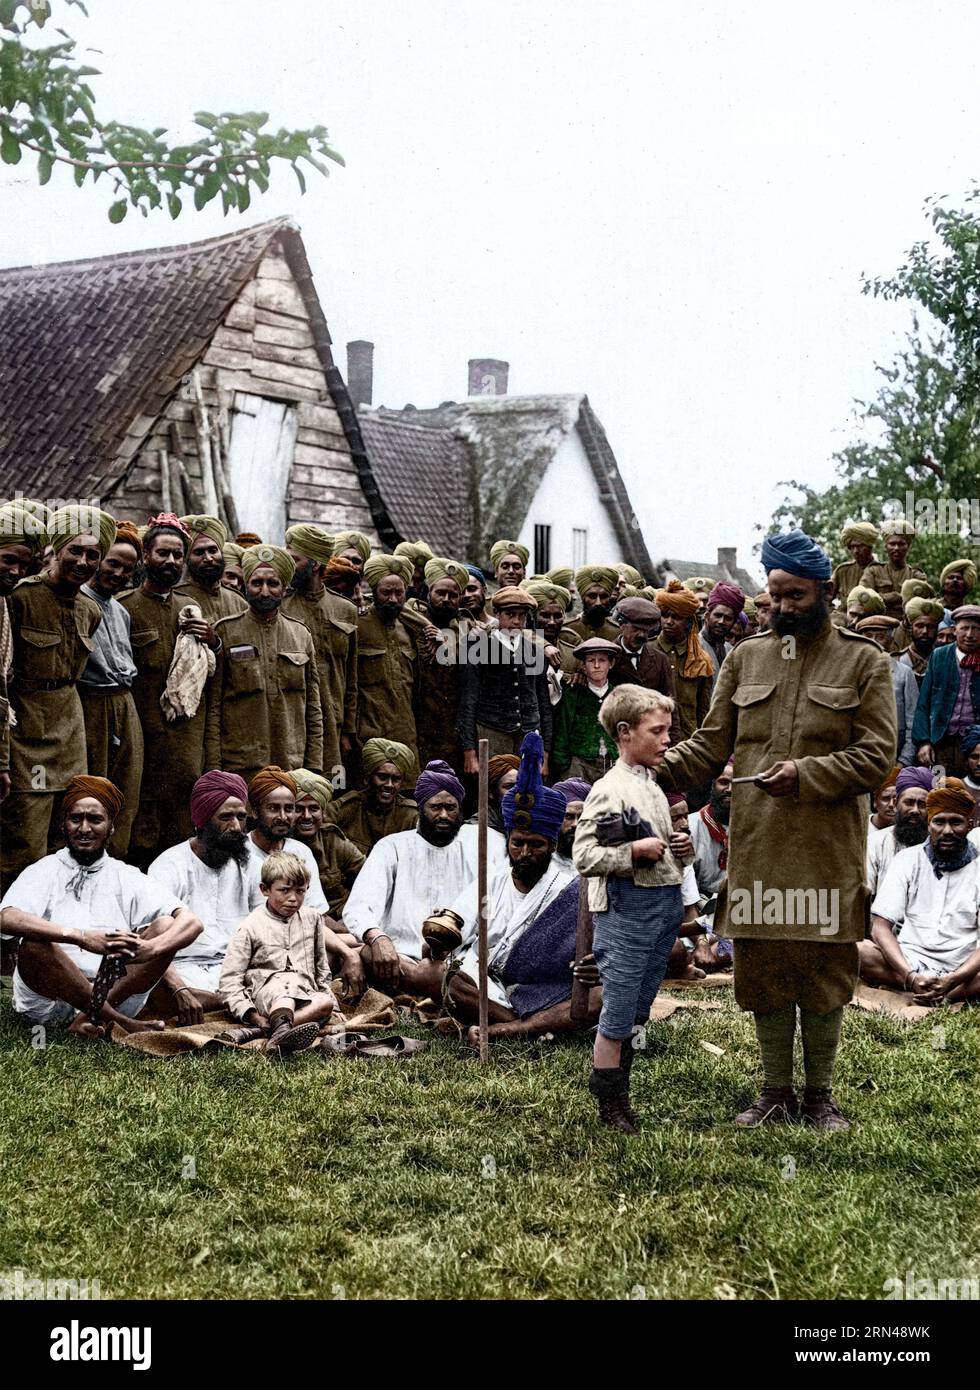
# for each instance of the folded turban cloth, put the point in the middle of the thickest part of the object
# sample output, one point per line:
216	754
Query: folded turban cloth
728	594
603	575
265	781
898	526
560	575
965	567
385	750
312	784
917	588
637	610
511	596
864	531
953	798
698	584
797	554
742	620
21	527
105	792
967	610
970	740
438	568
352	540
750	609
574	789
649	591
210	792
127	534
631	575
675	798
868	600
339	566
530	805
280	560
166	521
501	548
80	520
437	777
247	538
890	780
875	622
500	764
476	573
913	777
233	553
542	592
417	551
679	599
206	526
924	608
380	566
312	542
628	590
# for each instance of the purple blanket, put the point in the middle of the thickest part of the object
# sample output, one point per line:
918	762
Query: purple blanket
539	963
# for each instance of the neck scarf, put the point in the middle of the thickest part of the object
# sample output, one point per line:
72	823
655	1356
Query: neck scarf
718	833
949	866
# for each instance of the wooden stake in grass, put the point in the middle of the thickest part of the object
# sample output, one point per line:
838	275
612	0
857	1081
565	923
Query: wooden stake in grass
583	945
482	810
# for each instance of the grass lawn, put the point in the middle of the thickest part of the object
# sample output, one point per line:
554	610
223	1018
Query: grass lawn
435	1179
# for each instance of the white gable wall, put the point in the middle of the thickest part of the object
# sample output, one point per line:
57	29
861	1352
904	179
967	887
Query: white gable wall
568	499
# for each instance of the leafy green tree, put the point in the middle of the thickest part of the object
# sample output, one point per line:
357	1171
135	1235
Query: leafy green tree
922	454
48	108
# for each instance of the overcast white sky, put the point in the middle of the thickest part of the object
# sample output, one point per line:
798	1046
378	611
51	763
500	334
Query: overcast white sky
666	206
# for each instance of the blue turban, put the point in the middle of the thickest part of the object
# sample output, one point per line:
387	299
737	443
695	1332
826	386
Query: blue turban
573	789
795	553
915	777
437	777
970	740
477	573
529	805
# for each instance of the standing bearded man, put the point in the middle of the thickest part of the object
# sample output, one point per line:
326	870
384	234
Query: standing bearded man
808	708
205	568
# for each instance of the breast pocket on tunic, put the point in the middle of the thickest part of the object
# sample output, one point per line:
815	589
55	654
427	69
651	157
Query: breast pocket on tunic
244	675
371	666
292	671
830	713
756	711
146	657
39	658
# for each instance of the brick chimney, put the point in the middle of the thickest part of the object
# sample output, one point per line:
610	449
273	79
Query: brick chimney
487	376
727	559
360	371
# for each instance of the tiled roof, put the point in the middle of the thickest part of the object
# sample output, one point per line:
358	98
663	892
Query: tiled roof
690	569
423	480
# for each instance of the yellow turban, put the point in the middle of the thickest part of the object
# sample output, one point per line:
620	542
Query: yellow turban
79	519
417	551
867	599
898	526
274	555
917	588
631	575
924	608
21	527
501	548
749	608
966	567
233	553
380	566
384	750
352	540
560	576
649	591
603	575
312	784
312	542
699	585
629	591
206	526
437	568
543	593
864	531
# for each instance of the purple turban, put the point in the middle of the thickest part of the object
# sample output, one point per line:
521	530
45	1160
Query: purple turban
797	554
211	791
573	789
728	594
530	805
437	777
913	777
675	798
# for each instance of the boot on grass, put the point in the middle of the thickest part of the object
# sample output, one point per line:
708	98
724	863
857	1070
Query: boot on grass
777	1105
606	1084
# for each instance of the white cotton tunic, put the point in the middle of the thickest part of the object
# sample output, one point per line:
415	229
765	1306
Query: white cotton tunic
940	916
882	848
221	898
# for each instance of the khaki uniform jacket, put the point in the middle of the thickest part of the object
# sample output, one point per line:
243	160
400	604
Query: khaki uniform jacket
173	753
365	828
692	693
831	710
387	680
338	862
332	622
267	705
888	581
52	640
438	689
847	576
577	630
224	604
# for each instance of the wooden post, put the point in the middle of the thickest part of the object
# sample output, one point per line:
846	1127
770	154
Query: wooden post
583	945
165	494
482	806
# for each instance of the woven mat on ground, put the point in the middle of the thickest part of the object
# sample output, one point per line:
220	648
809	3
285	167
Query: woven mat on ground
662	1008
724	977
896	1004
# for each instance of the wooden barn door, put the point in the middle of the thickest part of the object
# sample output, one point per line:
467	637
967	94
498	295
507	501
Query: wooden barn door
260	455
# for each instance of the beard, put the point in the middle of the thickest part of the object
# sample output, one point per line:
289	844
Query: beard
805	624
207	574
163	576
85	856
436	834
566	840
266	828
442	615
596	615
302	580
721	808
265	603
528	872
910	830
218	847
388	612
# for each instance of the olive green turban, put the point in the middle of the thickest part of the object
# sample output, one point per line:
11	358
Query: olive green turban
352	540
380	566
417	551
561	576
924	608
543	592
501	548
917	588
863	531
206	526
898	526
867	600
34	508
312	542
384	750
749	608
21	527
80	520
968	569
233	553
648	591
699	585
312	784
629	591
596	574
437	568
280	560
631	575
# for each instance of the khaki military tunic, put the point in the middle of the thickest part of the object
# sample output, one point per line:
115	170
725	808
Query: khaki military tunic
223	604
438	689
692	693
888	581
364	827
338	862
576	631
845	578
267	705
387	680
332	623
